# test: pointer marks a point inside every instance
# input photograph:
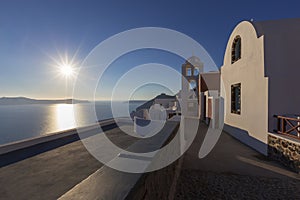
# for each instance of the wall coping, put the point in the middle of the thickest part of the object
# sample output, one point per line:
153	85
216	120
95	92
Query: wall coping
13	146
285	137
93	187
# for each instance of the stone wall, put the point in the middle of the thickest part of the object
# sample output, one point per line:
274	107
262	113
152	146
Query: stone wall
160	184
285	151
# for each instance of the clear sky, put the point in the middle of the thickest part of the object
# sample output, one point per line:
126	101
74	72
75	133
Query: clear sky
33	34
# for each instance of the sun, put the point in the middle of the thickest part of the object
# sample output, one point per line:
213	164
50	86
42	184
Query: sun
65	67
67	70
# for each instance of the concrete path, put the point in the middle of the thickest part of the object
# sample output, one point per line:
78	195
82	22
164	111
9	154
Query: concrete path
51	174
230	171
233	170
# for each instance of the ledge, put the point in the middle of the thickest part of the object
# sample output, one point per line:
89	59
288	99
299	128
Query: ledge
20	150
107	183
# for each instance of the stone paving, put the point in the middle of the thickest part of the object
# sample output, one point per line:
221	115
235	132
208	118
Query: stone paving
233	171
196	184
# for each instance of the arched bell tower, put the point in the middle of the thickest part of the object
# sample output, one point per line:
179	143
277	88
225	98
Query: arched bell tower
190	86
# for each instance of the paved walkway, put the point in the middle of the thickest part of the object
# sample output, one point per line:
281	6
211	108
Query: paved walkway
51	174
232	170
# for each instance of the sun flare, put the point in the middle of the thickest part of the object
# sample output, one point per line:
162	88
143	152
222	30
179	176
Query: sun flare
65	67
67	70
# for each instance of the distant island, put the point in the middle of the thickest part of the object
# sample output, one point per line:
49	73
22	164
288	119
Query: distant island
136	101
25	100
149	103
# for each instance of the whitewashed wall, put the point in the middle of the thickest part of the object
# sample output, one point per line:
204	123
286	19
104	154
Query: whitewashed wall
249	71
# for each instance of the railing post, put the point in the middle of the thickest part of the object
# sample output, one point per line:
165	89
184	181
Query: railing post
283	123
278	124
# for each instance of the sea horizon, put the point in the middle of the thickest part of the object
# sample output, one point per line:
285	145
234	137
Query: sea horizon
24	121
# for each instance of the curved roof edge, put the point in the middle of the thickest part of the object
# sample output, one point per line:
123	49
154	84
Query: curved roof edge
243	23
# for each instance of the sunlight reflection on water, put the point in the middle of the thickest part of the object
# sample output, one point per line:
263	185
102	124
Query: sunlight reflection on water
18	122
64	116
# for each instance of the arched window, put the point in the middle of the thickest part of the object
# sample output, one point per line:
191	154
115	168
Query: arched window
196	71
236	49
193	84
188	71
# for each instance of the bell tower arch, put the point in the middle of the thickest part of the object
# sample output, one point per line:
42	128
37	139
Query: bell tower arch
190	86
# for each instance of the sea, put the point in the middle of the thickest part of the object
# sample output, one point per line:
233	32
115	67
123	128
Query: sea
20	122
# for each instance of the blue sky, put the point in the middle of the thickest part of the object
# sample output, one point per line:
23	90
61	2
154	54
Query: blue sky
34	33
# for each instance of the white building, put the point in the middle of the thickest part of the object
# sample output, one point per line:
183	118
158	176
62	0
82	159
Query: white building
210	98
260	77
